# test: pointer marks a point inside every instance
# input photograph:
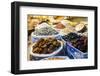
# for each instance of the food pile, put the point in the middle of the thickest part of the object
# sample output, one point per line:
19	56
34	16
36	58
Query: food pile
80	27
70	37
46	46
59	26
45	31
63	24
79	42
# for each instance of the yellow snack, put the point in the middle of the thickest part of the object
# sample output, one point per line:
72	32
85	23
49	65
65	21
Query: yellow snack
55	19
66	30
33	23
68	22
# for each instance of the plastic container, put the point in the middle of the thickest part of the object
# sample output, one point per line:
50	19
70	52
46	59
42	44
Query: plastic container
74	53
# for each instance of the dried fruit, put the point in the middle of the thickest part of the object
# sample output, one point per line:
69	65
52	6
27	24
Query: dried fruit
46	46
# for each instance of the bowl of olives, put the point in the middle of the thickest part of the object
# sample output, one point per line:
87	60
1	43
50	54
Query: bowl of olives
77	45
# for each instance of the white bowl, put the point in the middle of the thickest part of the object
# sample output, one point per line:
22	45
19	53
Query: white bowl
47	55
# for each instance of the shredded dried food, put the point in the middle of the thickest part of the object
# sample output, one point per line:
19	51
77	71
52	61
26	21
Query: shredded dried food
45	31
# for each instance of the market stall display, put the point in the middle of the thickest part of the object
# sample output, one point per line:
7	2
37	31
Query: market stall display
57	37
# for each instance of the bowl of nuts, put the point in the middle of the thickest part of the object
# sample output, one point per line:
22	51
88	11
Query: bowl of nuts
46	47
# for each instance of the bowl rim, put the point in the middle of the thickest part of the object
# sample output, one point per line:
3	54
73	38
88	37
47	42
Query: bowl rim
40	36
